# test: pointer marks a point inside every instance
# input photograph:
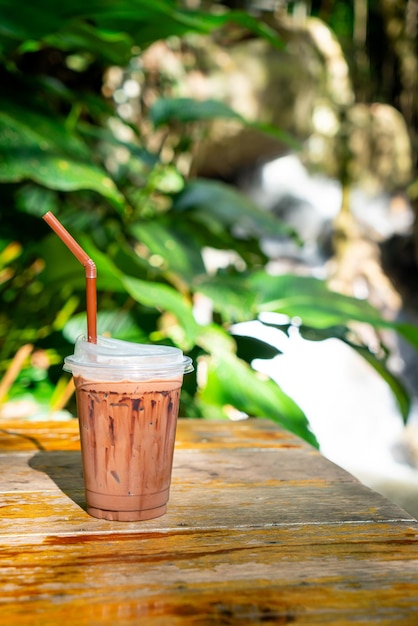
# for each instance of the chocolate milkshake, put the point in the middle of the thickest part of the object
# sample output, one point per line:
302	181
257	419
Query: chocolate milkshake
127	406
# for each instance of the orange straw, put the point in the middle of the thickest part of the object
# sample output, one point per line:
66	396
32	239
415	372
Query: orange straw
91	274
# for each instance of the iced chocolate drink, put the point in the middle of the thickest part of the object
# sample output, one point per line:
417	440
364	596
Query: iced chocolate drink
127	401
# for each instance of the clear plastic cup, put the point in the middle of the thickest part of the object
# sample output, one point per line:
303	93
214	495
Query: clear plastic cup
127	400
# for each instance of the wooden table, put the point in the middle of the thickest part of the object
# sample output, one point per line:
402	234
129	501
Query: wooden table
260	530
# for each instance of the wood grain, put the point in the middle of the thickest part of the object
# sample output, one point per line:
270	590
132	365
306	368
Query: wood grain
261	529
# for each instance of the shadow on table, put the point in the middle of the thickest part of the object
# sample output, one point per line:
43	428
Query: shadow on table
65	469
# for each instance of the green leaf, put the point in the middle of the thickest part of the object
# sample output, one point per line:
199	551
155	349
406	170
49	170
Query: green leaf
25	21
28	21
61	266
167	110
144	21
208	22
105	136
180	255
250	348
38	147
318	307
311	300
408	331
184	110
109	277
119	324
397	387
60	173
230	207
328	313
254	25
214	339
36	200
151	21
63	269
230	381
281	135
165	298
34	127
113	48
230	295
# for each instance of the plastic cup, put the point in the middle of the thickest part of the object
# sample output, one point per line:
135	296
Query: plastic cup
127	400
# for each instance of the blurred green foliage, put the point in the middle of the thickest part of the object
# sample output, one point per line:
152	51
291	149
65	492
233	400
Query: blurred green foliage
142	222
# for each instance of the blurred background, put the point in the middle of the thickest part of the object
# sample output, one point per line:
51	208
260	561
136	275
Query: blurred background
244	175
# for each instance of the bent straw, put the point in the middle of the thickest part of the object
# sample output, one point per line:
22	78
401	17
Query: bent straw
91	274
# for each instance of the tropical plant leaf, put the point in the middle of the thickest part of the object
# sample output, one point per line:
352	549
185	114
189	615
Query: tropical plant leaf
311	300
180	255
257	27
397	387
63	269
37	147
36	200
35	127
61	266
230	295
408	332
150	21
185	110
250	348
119	324
113	48
317	306
215	339
144	20
163	297
167	110
104	135
109	277
138	18
230	381
230	208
